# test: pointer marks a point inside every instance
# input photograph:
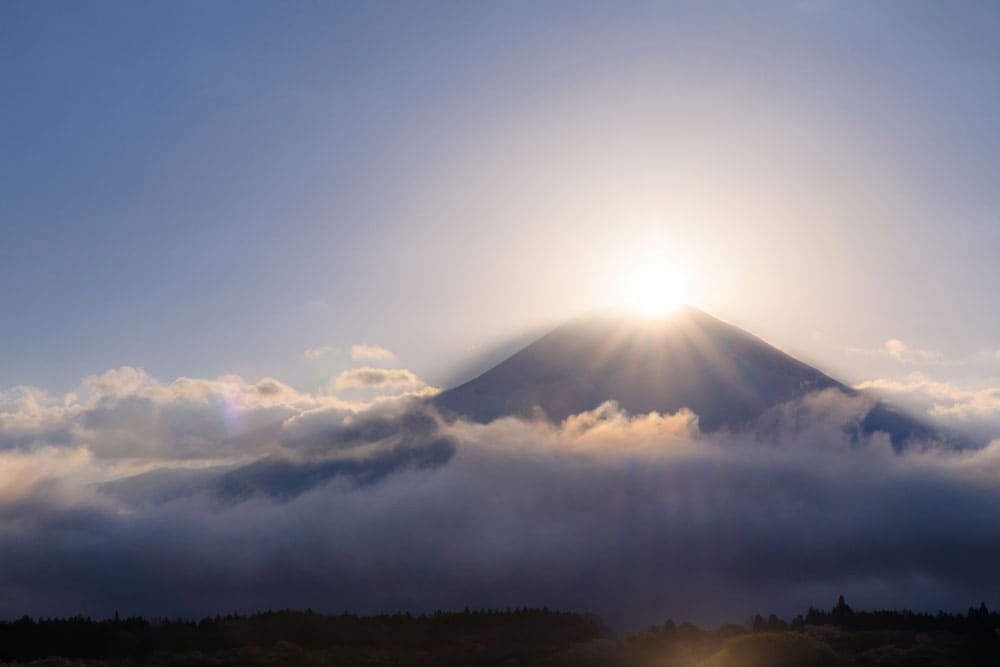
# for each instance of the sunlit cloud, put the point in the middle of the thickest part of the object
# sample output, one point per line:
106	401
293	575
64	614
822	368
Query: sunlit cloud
368	377
984	402
917	383
974	409
902	352
127	414
366	352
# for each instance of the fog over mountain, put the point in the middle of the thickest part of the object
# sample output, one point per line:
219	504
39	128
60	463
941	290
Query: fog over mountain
679	467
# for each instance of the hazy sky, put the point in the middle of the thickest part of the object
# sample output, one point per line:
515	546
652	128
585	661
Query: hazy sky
210	188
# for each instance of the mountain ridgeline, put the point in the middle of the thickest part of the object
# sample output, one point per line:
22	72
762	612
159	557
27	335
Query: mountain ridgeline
689	359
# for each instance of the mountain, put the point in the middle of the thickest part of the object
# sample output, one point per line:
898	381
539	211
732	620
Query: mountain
727	376
688	359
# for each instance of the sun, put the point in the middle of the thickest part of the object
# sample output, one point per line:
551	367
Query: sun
655	289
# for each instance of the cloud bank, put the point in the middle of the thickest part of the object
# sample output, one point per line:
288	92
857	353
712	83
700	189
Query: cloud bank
202	496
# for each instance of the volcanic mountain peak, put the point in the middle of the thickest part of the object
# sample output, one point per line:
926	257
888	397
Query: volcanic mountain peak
687	359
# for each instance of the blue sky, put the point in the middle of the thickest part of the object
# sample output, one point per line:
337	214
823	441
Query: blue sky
209	188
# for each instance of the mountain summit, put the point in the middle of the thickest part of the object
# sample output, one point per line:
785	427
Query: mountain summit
687	359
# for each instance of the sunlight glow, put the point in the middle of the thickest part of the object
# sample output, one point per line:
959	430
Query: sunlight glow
655	289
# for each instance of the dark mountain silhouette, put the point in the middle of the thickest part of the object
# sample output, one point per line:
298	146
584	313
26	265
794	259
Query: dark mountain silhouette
688	359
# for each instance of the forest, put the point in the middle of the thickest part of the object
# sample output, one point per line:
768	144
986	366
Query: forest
507	638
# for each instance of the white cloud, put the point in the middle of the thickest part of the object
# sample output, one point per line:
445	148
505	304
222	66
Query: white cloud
917	383
367	377
973	409
126	414
321	352
904	353
981	403
366	352
119	381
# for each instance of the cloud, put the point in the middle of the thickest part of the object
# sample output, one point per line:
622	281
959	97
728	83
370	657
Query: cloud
320	352
985	402
366	352
310	450
306	500
942	398
916	383
901	352
119	382
377	378
976	410
127	415
904	353
359	352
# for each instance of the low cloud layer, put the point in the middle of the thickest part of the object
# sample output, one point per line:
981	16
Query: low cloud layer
204	496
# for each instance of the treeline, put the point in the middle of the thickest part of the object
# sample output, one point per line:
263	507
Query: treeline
522	633
976	620
838	637
518	637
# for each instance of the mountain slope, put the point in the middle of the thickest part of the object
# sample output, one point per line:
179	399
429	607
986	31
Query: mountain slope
690	359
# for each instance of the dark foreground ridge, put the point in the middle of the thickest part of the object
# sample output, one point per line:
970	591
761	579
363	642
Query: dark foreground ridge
510	638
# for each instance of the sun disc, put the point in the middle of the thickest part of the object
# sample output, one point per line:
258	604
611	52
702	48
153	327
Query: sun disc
655	290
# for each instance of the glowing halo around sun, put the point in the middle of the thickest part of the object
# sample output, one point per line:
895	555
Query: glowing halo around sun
655	289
